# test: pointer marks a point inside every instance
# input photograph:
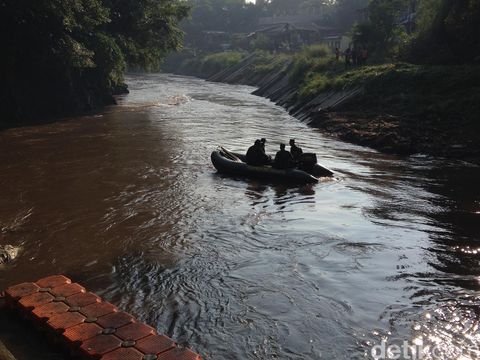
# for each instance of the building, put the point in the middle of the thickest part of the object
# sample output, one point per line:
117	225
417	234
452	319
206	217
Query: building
341	42
293	32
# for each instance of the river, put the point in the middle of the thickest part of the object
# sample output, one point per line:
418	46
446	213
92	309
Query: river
128	203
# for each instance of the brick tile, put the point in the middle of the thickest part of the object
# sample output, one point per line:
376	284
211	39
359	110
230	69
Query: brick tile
81	332
64	321
67	290
134	331
29	302
53	281
100	345
123	354
115	320
98	309
82	299
16	292
94	327
46	311
155	344
179	354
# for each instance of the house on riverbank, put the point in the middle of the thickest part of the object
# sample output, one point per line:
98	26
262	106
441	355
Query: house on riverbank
289	33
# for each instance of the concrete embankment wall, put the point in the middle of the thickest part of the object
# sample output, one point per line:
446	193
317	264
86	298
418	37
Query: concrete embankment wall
277	86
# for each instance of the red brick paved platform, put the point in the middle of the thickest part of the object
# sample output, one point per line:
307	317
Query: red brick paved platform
88	327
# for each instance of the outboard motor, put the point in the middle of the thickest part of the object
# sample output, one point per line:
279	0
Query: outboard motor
307	161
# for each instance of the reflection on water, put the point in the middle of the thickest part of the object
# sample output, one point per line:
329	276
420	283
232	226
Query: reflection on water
128	203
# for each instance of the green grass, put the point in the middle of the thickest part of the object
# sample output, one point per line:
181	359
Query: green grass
207	65
311	59
265	63
437	93
214	63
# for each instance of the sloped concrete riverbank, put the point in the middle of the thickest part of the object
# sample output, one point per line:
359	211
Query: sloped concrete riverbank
347	115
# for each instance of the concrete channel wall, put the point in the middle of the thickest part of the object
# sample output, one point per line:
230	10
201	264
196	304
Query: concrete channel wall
278	87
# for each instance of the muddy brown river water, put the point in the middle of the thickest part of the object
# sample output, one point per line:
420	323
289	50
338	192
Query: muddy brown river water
128	203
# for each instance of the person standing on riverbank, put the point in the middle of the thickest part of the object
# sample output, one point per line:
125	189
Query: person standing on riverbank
354	56
348	57
364	56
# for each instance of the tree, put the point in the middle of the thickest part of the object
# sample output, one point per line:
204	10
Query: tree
447	32
64	55
146	30
381	33
284	7
347	13
231	16
316	7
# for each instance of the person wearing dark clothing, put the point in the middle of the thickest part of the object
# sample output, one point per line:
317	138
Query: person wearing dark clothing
256	155
283	159
354	54
364	56
295	150
348	57
263	141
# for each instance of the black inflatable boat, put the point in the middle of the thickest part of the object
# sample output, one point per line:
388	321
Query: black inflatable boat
234	164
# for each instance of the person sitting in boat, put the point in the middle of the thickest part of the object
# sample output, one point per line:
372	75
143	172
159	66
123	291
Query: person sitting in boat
256	155
263	141
283	159
295	150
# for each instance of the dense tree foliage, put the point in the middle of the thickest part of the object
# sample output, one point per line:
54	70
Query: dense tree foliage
307	7
63	55
222	15
240	16
381	33
345	13
448	32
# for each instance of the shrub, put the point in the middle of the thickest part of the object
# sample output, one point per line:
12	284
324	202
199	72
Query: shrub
214	63
315	84
316	51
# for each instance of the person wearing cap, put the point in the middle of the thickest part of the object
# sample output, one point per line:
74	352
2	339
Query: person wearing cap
283	159
256	155
295	150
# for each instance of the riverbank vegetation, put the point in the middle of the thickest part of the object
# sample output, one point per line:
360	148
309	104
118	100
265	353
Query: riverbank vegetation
206	65
431	73
61	56
419	90
449	94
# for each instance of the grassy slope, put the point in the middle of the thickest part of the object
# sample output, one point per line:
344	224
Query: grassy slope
209	64
435	93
